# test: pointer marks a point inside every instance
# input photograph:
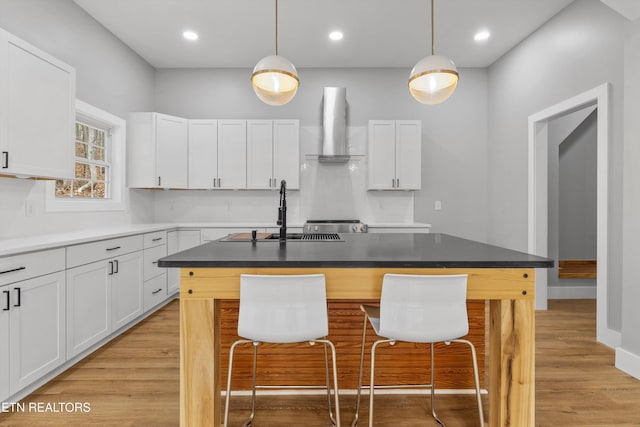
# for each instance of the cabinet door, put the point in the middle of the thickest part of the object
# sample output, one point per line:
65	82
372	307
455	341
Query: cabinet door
37	328
260	154
203	154
232	154
408	154
126	289
88	306
37	93
382	154
173	274
286	153
5	305
171	151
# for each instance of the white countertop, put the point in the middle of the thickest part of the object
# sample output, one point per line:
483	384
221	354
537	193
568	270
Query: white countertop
49	241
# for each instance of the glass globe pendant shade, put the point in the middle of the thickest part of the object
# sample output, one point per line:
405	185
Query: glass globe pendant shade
275	80
433	79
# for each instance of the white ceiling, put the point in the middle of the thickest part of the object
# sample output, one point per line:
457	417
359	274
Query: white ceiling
377	33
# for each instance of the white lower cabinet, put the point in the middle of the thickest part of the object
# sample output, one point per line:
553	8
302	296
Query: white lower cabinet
126	289
4	340
36	328
88	306
102	297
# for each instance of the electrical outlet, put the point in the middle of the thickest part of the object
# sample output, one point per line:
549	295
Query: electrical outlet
28	208
438	205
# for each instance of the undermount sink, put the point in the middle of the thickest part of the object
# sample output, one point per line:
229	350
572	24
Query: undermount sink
293	237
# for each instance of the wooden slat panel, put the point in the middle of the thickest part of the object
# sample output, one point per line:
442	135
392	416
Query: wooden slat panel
404	363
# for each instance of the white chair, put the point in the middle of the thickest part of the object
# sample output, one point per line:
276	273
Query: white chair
418	309
283	309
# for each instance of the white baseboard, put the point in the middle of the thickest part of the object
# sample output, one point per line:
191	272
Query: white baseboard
571	292
628	362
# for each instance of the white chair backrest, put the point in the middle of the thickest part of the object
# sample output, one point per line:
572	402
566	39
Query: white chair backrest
283	309
423	309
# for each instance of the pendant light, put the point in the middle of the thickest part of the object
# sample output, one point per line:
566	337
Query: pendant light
275	79
434	78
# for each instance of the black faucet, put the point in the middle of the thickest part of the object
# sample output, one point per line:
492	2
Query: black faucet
282	212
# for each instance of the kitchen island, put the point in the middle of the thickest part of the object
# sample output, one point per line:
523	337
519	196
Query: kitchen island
354	269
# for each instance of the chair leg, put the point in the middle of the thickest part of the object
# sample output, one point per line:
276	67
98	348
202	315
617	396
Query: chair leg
476	378
433	387
335	378
253	386
228	395
371	381
328	383
364	337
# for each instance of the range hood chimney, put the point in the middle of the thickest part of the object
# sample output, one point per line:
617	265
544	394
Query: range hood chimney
334	126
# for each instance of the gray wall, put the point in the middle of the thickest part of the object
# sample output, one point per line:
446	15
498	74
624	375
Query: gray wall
109	75
454	155
631	282
577	191
577	50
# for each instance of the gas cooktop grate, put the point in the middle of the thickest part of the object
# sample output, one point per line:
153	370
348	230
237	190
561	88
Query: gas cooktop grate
326	237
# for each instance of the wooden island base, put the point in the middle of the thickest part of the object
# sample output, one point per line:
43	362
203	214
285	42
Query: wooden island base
511	332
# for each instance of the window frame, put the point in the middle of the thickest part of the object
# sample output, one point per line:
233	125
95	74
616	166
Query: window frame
118	201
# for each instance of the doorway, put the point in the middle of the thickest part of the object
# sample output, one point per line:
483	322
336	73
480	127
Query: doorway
538	149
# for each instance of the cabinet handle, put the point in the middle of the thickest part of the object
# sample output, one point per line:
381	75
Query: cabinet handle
116	266
159	181
157	239
19	295
398	183
214	183
8	301
13	270
393	183
114	248
155	292
5	159
110	268
219	182
154	262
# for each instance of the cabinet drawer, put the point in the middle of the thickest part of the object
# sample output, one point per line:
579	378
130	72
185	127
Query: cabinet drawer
155	239
25	266
151	257
103	249
155	291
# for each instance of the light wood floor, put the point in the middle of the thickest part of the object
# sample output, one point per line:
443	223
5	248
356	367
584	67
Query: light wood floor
133	381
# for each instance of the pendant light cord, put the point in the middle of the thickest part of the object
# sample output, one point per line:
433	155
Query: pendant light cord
277	26
433	42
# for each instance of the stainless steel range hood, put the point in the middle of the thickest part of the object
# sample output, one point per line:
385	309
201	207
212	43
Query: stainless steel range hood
334	126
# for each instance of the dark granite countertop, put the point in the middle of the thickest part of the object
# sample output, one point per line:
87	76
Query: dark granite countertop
358	250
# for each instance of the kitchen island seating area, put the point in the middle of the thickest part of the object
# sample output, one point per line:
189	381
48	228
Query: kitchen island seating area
354	270
282	309
418	309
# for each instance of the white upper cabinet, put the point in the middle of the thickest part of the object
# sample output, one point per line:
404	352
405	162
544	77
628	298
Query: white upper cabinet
37	111
395	154
286	153
232	154
203	154
157	146
273	154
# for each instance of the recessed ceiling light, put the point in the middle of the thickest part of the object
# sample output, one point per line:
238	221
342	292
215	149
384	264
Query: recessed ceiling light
482	35
336	35
190	35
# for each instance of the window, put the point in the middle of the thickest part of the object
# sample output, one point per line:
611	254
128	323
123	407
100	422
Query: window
92	165
99	179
